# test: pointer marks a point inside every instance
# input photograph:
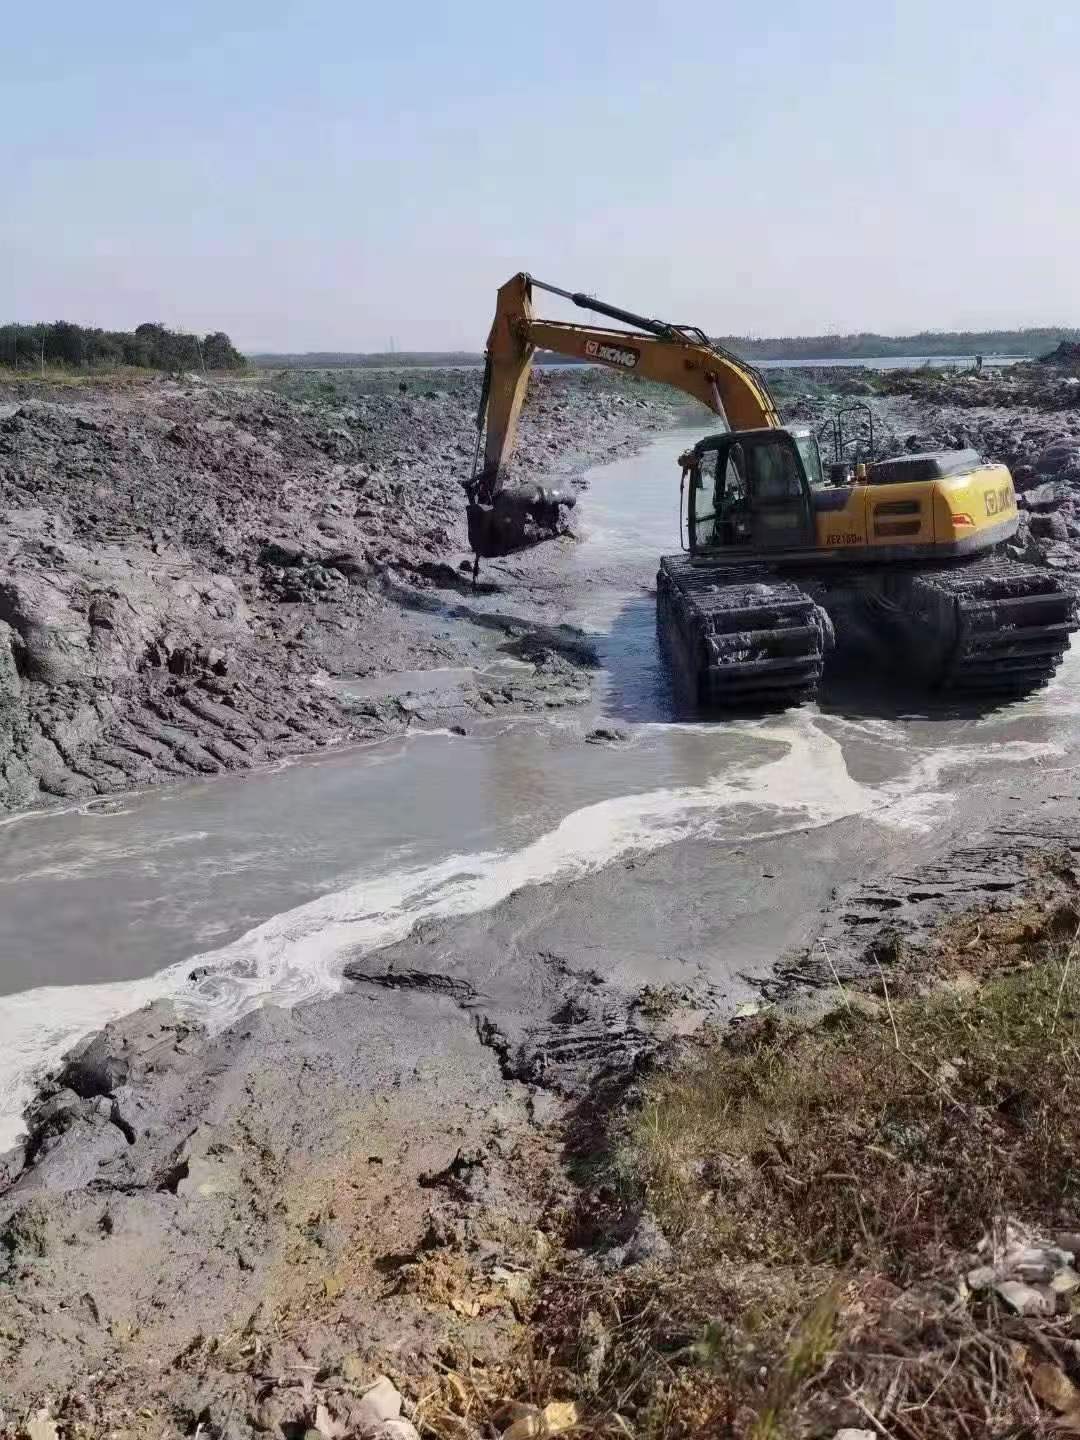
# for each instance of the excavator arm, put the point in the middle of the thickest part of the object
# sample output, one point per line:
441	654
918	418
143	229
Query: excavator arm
671	355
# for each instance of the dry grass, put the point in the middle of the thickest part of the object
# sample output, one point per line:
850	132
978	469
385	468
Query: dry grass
822	1190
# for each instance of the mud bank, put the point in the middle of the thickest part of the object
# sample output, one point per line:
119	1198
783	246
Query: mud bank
181	564
231	1229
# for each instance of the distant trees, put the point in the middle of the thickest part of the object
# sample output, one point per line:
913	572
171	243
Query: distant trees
150	346
1031	341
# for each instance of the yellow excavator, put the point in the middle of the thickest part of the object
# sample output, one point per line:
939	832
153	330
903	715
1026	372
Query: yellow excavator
783	556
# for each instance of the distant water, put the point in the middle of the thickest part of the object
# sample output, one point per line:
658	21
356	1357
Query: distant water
892	362
872	362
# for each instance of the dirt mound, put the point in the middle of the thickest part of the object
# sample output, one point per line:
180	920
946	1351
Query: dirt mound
178	562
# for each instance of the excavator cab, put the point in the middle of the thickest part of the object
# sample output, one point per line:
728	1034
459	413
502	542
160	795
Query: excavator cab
751	489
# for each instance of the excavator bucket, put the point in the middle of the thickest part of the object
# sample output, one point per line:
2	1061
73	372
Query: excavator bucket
517	518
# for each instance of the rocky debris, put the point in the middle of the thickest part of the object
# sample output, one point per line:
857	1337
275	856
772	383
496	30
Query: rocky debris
646	1243
1034	1277
531	1422
607	735
80	1118
179	563
1066	353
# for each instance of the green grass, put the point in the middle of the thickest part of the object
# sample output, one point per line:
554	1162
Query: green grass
821	1188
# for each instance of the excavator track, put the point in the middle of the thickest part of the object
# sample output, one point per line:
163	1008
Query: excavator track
739	637
1005	625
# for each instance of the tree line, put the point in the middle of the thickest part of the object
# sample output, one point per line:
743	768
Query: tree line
866	345
150	346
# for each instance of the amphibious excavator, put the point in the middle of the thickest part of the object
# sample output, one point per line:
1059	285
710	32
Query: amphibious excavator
784	556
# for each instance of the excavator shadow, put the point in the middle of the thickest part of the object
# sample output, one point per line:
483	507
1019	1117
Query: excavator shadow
854	691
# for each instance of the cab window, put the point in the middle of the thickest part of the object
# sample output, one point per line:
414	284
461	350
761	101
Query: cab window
706	499
811	459
775	472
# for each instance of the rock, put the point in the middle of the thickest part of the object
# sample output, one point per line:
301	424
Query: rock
982	1277
1036	1263
525	1427
354	1369
380	1403
1068	1240
559	1415
27	1234
1054	1388
1024	477
606	735
60	1111
41	1426
399	1429
94	1067
554	1419
1044	497
1058	459
648	1242
1049	527
326	1424
279	1409
1026	1299
849	1434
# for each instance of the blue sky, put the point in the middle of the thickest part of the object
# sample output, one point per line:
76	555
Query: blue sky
336	175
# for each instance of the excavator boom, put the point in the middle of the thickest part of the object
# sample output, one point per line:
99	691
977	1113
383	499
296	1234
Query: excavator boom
670	354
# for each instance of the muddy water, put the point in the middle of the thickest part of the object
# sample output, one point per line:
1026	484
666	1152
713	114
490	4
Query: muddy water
237	891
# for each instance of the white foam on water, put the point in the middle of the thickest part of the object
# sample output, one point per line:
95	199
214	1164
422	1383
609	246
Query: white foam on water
300	953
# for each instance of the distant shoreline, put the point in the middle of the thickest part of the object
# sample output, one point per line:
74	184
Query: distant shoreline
855	349
546	359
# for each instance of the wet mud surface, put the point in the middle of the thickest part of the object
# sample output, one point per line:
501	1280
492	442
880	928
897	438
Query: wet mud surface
219	1213
183	564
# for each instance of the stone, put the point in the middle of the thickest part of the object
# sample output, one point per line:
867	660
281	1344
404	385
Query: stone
1044	497
1054	1388
399	1429
560	1415
1058	458
526	1427
94	1067
648	1242
1024	477
378	1404
982	1277
1049	527
606	735
849	1434
1026	1299
41	1426
27	1234
277	1410
354	1370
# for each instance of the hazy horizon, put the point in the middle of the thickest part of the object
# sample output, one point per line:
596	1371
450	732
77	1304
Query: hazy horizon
354	180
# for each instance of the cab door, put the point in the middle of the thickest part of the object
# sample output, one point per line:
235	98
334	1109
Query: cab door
748	491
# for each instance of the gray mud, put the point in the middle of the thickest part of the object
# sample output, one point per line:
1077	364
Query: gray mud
182	563
213	1229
